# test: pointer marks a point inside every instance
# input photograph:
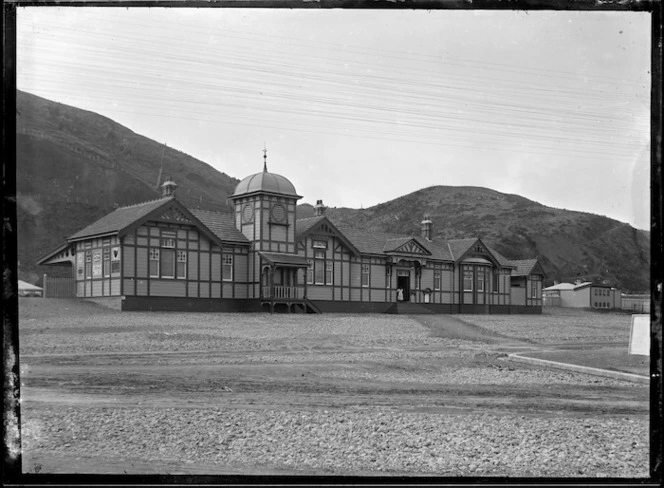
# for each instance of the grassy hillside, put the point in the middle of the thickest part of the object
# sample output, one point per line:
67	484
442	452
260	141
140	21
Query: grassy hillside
570	245
73	166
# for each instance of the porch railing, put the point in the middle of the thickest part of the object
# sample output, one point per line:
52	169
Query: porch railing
276	291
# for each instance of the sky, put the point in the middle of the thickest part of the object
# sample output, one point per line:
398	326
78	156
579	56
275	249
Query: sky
358	107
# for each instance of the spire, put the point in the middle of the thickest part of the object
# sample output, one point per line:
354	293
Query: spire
264	159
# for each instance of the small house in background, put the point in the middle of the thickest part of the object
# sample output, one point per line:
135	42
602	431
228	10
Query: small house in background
582	295
25	289
636	303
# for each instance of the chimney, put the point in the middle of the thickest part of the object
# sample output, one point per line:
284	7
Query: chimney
426	228
168	188
319	208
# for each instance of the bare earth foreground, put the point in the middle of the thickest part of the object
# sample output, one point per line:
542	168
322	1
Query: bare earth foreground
170	393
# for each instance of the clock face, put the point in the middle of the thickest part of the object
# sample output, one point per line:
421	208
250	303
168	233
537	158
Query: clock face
247	213
278	213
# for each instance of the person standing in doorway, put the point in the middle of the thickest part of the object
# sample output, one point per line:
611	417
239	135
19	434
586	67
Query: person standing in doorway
400	294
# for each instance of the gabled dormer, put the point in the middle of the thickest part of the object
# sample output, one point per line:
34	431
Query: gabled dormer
320	229
405	245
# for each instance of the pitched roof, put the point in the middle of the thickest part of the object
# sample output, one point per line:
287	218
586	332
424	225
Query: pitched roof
560	286
372	242
285	259
395	243
119	219
303	225
307	224
523	266
572	286
458	247
221	225
365	242
24	285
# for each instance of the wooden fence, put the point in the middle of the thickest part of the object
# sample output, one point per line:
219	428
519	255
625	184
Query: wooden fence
59	287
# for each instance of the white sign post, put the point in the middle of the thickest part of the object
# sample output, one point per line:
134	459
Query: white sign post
639	336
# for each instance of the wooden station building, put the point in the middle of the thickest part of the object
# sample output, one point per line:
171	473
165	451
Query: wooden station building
160	255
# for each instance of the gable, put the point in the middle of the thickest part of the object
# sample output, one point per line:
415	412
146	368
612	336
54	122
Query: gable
173	211
324	229
478	250
538	270
120	219
411	246
174	215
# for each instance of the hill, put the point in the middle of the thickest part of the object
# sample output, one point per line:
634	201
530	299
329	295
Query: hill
570	245
74	166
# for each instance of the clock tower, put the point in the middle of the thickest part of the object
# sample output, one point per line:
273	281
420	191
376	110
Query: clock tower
264	205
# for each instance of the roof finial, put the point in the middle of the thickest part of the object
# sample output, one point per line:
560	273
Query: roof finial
264	158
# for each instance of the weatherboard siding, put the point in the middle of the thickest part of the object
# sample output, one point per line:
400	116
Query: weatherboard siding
167	288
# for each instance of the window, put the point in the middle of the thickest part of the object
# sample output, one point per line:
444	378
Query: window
107	262
468	279
154	263
227	267
366	270
310	271
319	267
496	280
328	273
167	263
480	279
533	289
88	264
437	280
181	266
319	244
168	243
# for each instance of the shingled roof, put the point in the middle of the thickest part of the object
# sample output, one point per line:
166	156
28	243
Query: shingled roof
221	225
394	243
303	225
458	247
524	267
502	260
119	219
372	242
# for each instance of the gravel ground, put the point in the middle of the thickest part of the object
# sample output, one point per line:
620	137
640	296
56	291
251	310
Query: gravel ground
488	375
103	352
370	440
558	325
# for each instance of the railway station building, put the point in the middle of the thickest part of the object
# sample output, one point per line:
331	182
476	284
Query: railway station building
160	255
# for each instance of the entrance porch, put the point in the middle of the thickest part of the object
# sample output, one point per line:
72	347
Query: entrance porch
279	282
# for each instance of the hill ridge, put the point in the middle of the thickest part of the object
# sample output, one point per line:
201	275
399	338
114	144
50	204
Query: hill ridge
75	166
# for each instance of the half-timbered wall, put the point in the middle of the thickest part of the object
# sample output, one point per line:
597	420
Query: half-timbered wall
174	260
98	267
526	290
268	221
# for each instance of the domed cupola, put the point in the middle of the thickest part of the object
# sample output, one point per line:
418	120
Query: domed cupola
265	182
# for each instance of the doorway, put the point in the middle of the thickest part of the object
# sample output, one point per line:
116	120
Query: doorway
403	282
